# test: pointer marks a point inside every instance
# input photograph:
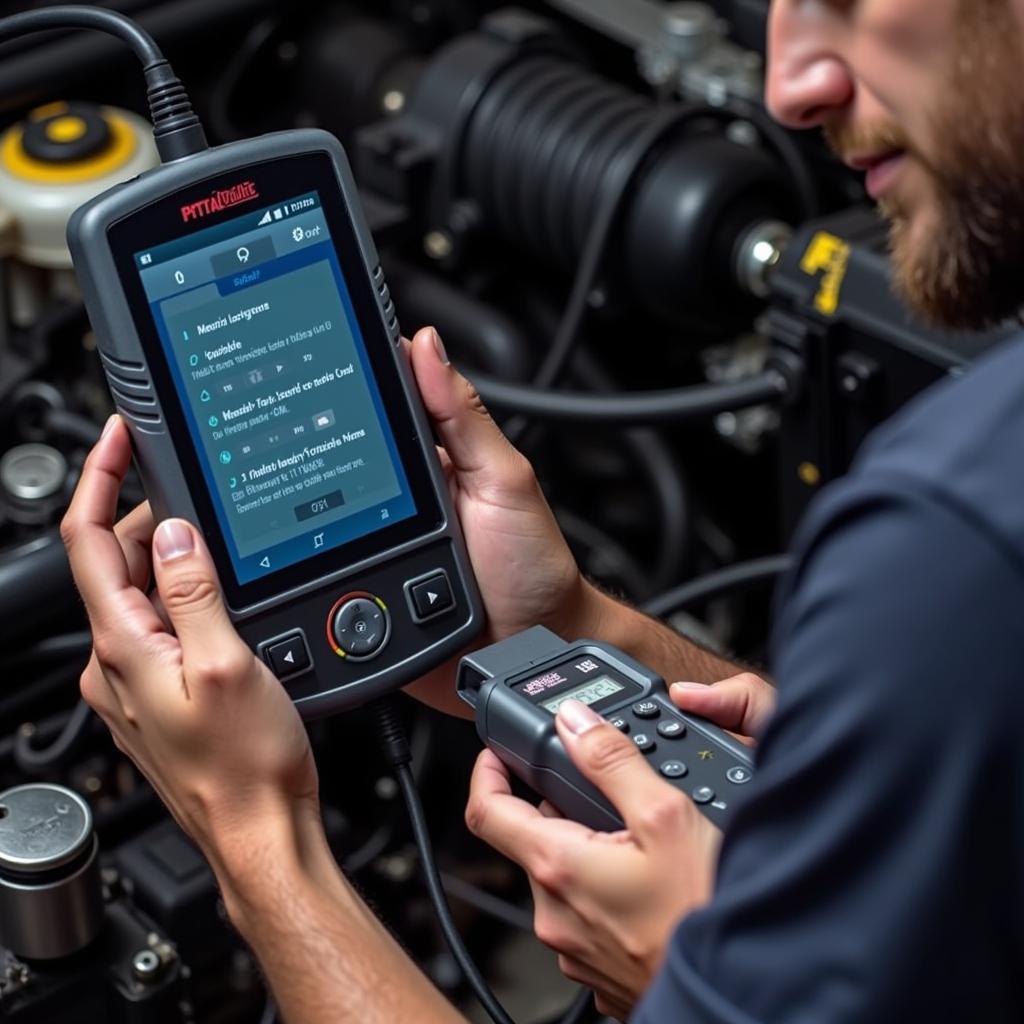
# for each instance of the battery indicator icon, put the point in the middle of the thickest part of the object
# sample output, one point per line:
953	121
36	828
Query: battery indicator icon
278	214
145	259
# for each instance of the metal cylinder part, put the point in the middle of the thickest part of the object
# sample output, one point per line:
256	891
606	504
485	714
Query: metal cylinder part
32	478
690	29
51	897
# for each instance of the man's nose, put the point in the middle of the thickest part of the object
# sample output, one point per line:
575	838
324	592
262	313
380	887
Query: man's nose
807	81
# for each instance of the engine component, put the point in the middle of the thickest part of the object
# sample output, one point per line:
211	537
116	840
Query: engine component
51	901
505	131
32	483
864	355
57	158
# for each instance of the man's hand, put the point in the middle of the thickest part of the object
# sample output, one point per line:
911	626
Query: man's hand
526	572
205	721
608	902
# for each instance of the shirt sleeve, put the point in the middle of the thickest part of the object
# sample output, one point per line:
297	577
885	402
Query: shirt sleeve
871	874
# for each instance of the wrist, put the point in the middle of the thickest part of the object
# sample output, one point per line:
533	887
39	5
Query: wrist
601	617
582	613
262	861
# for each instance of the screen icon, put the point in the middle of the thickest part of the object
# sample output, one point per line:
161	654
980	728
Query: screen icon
265	219
145	259
318	540
298	234
179	277
278	214
265	562
242	253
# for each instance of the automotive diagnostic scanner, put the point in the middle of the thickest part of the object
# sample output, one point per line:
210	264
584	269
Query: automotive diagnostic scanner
251	345
517	685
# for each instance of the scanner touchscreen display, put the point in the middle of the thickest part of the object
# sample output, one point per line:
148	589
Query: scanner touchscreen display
276	386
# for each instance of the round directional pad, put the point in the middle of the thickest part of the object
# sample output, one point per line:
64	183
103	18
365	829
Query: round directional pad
359	626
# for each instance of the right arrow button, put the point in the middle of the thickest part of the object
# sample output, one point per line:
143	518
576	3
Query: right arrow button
430	595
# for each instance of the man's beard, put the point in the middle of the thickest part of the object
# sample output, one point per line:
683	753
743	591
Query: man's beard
967	270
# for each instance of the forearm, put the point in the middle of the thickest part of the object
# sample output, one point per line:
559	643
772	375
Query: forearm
327	958
652	642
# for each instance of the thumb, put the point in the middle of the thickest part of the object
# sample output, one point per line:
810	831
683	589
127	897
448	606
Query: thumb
190	592
611	761
743	704
473	441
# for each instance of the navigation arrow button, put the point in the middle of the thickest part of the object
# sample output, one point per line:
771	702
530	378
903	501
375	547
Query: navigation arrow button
431	596
290	657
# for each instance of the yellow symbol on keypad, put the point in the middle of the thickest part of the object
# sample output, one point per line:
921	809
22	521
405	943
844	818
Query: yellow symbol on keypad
706	755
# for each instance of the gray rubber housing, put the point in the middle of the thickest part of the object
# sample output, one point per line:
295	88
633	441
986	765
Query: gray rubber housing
134	396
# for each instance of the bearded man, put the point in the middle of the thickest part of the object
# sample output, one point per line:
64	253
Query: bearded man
875	871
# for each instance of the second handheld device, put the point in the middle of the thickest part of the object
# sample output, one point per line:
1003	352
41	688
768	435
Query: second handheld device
517	685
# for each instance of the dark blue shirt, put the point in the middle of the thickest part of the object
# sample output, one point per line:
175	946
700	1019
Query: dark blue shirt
876	872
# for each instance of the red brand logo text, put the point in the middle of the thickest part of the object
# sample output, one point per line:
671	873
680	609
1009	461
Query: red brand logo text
223	198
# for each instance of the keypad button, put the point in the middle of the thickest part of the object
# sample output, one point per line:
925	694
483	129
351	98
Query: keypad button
703	795
431	596
361	628
646	709
672	729
739	775
287	657
673	769
620	723
644	742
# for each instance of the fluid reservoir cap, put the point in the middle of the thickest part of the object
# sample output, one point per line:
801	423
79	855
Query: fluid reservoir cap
33	472
59	157
77	132
42	827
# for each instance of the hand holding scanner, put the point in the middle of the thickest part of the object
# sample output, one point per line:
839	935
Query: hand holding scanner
517	685
252	347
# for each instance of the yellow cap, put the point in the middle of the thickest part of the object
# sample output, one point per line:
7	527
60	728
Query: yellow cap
66	129
123	144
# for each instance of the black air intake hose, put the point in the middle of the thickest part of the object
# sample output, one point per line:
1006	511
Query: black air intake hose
546	142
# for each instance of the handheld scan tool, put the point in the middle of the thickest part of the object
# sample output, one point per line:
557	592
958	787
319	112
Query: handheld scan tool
252	347
517	685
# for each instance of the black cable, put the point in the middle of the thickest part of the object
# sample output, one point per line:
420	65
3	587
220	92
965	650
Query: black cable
395	745
487	903
787	150
700	401
730	580
620	175
176	127
580	1008
396	749
73	426
32	761
665	475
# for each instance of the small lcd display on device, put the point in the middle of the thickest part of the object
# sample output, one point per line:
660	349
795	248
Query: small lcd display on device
590	692
272	370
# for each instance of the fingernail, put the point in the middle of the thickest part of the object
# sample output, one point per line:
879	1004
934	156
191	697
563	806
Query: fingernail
688	686
578	718
439	347
173	539
109	425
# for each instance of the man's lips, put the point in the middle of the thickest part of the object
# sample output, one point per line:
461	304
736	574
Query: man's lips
881	169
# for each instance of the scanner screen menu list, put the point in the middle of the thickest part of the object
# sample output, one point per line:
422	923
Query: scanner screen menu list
291	430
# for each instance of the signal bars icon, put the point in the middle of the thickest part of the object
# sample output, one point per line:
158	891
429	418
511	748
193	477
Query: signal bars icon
265	219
